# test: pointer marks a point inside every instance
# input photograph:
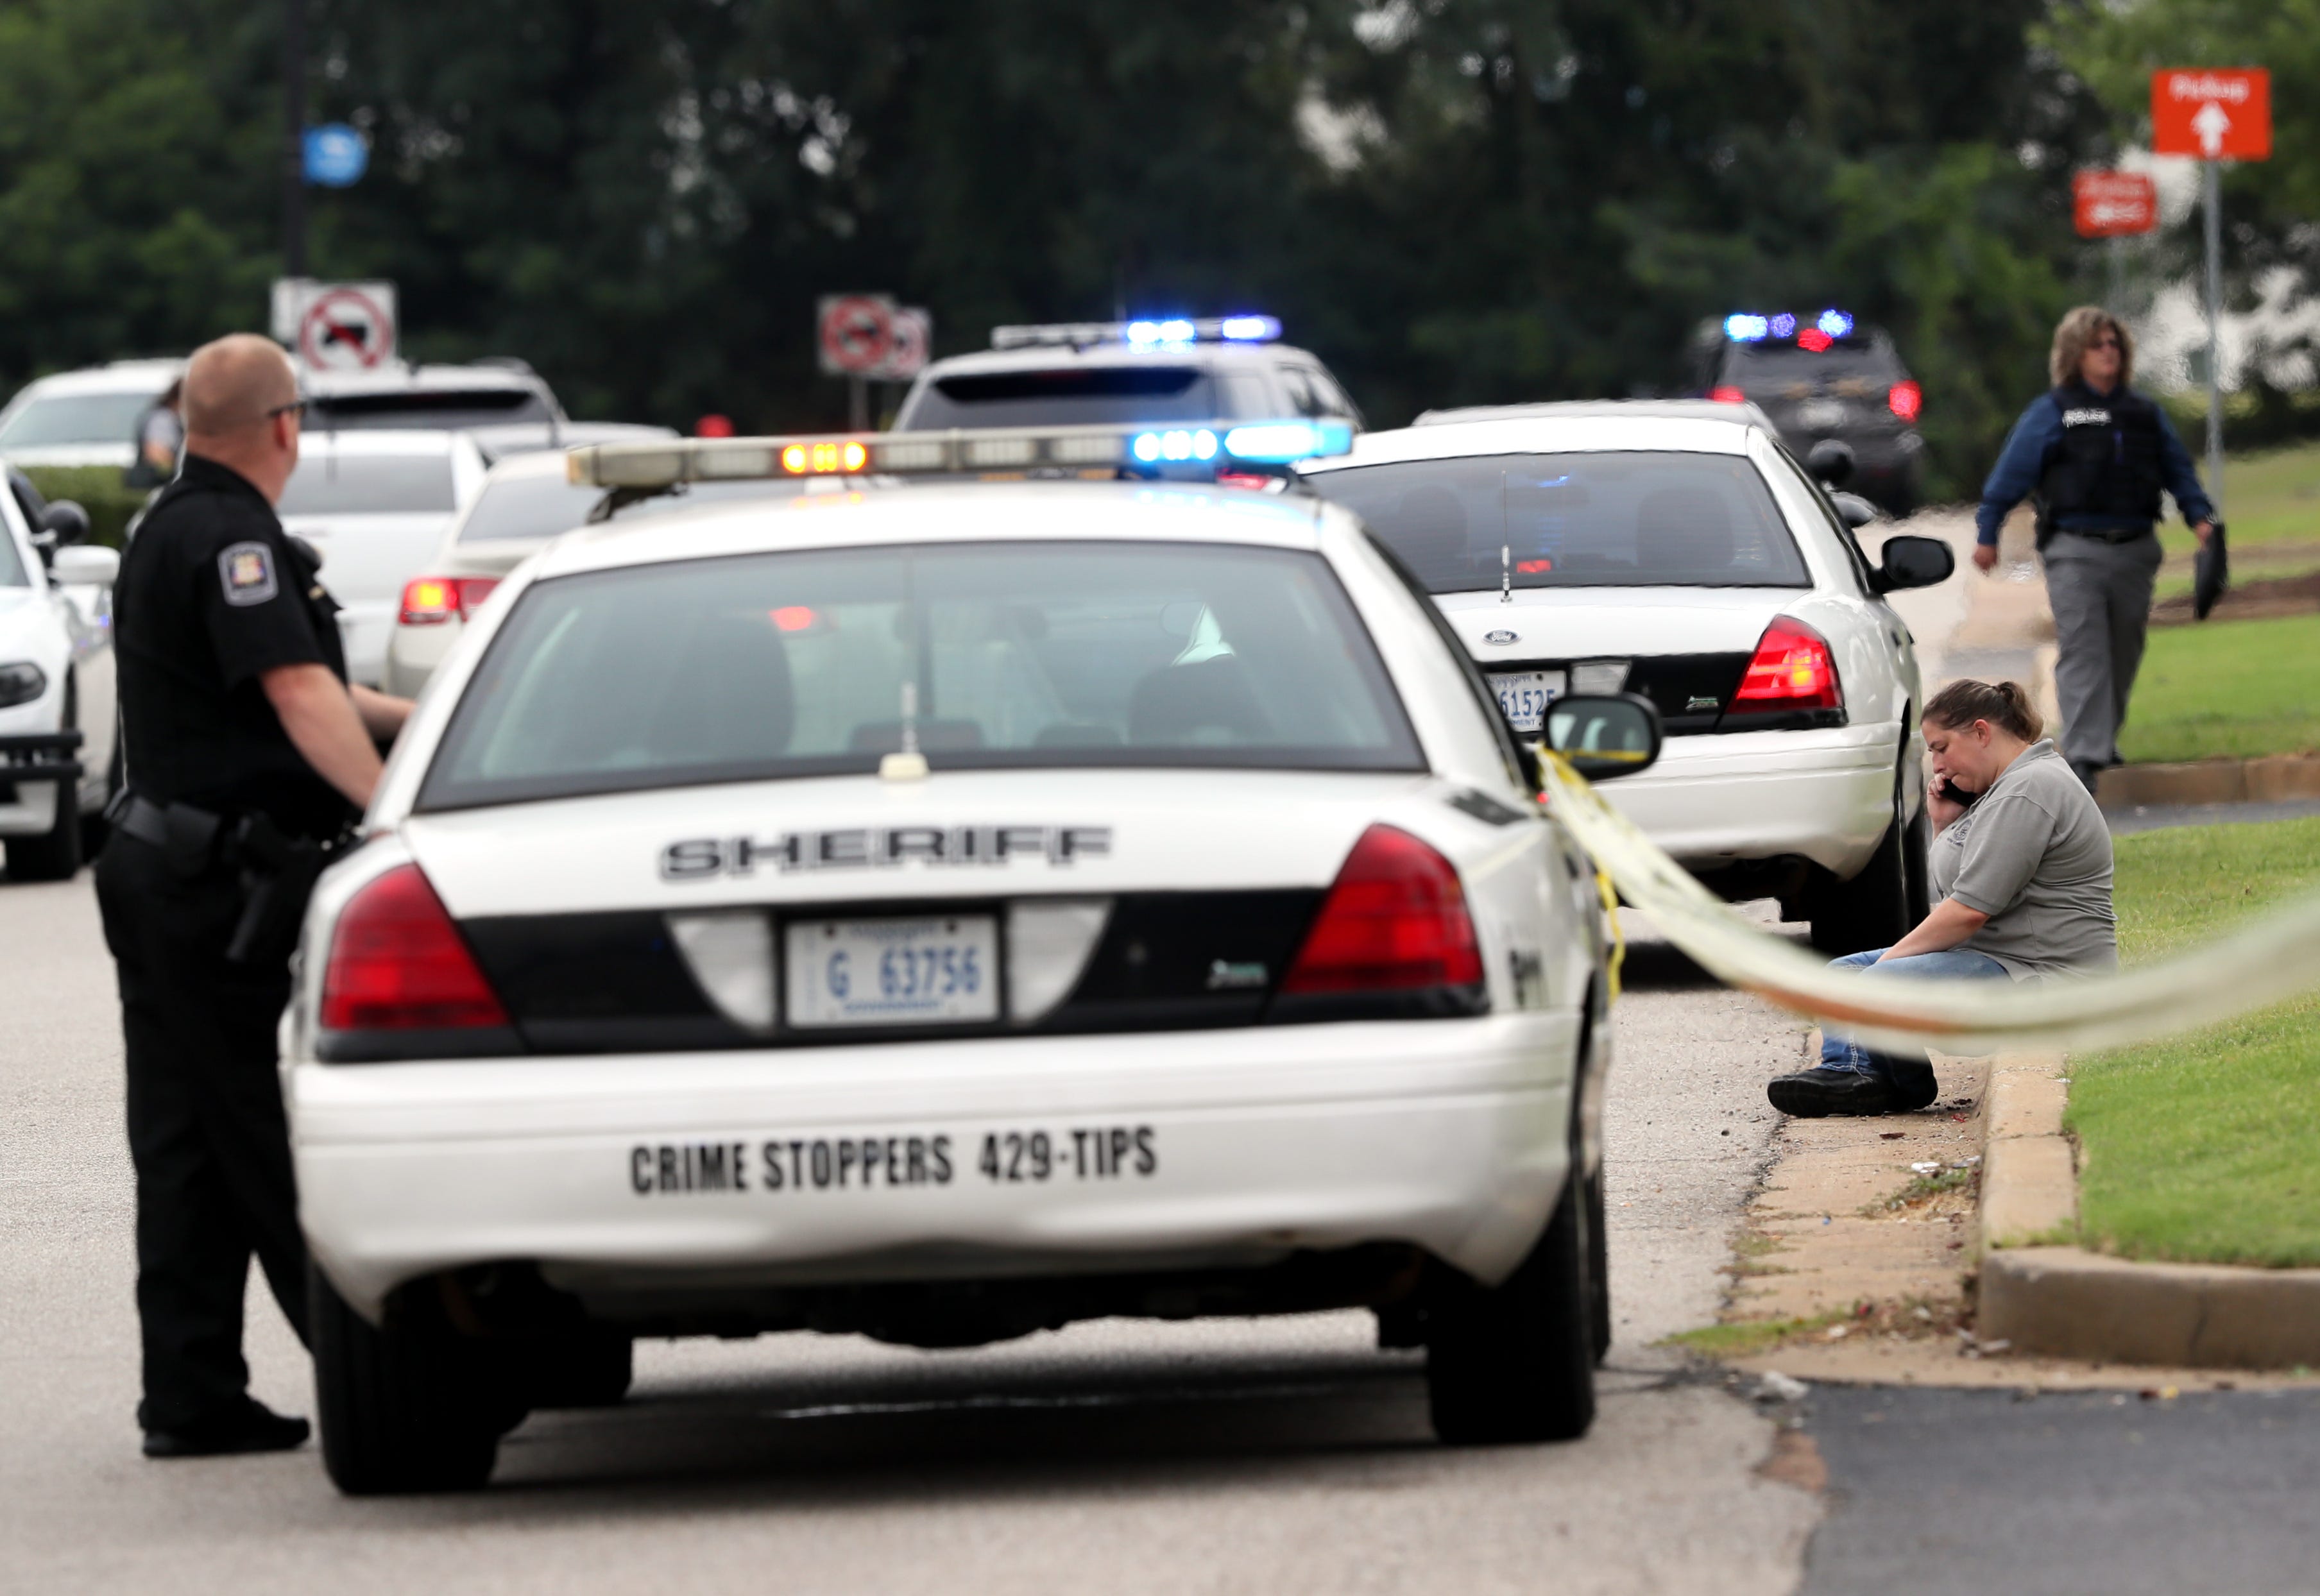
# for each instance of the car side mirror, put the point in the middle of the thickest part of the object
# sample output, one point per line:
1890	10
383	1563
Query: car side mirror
1606	735
85	565
67	521
1913	562
1831	462
1852	510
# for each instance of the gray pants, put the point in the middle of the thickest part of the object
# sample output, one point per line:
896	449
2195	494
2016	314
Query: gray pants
2101	596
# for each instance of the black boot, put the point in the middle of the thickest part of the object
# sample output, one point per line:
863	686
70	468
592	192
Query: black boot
255	1427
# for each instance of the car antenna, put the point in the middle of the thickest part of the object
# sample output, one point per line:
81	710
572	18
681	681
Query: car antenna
907	765
1506	574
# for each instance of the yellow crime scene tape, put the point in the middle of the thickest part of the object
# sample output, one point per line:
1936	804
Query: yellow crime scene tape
2273	958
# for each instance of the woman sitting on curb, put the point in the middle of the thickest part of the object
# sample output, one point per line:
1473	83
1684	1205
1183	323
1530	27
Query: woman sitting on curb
2022	869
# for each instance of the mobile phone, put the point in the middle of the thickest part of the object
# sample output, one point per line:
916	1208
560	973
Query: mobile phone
1957	794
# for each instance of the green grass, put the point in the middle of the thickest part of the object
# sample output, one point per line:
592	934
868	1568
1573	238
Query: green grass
95	488
2233	688
2269	498
2205	1149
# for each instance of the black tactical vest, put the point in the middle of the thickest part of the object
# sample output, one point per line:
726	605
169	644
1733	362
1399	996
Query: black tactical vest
2105	464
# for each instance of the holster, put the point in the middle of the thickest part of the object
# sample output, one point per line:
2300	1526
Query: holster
277	877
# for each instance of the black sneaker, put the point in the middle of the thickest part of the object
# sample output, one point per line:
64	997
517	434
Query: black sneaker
1815	1094
257	1427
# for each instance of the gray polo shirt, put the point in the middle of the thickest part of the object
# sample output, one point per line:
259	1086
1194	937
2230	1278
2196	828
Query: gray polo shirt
2034	856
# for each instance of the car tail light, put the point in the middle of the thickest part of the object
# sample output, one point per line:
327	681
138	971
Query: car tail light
1792	669
1725	393
1395	920
1905	400
430	601
397	963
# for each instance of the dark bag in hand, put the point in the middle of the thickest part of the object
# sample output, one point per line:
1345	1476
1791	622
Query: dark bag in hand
2212	575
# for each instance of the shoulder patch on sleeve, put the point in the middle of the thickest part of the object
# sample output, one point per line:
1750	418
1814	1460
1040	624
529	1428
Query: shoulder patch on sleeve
246	572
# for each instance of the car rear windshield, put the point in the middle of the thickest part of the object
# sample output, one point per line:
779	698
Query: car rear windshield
1067	397
327	484
76	418
993	655
1772	367
1660	519
449	409
527	507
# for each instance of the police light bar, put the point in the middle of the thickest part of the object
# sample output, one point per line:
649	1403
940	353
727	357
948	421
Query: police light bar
1137	450
1153	332
1749	327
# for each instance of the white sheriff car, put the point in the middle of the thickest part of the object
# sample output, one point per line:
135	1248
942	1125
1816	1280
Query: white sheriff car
58	763
942	914
1676	550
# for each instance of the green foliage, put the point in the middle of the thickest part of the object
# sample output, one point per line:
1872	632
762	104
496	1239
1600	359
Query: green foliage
96	489
2231	689
1451	200
2200	1150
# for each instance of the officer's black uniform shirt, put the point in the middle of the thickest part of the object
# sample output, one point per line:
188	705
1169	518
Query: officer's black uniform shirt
212	594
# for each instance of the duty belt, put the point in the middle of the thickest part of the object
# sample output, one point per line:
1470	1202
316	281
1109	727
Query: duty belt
2109	534
277	872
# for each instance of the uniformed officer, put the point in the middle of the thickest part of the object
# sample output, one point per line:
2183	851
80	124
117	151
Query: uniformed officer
2097	454
246	752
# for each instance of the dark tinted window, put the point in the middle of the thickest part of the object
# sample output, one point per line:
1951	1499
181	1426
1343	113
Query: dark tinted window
1769	367
326	483
1066	397
449	409
1626	520
998	655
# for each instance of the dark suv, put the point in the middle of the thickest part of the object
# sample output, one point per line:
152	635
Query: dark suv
1821	376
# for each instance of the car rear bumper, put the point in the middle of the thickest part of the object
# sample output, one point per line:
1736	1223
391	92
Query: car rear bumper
1190	1149
36	770
414	652
1825	797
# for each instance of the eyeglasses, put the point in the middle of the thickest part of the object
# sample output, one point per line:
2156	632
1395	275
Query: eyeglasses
296	407
2108	340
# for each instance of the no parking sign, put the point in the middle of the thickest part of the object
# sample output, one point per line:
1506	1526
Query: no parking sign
336	326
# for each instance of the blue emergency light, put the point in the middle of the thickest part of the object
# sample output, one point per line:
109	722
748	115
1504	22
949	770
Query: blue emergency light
1744	328
1277	443
1147	332
1835	323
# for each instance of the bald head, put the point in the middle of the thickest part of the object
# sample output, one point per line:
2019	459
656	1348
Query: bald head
232	383
236	399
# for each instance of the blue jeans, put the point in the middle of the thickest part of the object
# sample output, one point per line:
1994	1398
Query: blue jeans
1952	962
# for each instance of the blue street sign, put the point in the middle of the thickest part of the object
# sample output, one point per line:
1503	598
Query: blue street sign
335	155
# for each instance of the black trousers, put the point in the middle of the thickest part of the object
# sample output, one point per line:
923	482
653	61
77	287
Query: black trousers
206	1130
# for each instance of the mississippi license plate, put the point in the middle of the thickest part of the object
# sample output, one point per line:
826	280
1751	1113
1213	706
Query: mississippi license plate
1524	695
923	970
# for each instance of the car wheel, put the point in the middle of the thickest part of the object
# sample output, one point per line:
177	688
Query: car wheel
592	1370
1917	849
55	854
1517	1362
1873	909
1599	1270
402	1409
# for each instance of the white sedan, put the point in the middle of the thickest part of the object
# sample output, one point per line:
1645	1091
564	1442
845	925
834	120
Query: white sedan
1677	551
58	765
942	914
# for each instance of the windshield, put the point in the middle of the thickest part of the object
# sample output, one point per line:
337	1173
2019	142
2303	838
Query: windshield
994	656
1629	520
1071	396
448	410
1774	367
527	507
76	418
329	484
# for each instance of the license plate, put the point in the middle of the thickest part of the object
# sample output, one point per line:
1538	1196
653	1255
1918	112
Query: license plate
1524	695
1821	413
925	970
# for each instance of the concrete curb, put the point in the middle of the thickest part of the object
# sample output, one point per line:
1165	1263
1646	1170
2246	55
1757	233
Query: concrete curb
2273	779
2070	1302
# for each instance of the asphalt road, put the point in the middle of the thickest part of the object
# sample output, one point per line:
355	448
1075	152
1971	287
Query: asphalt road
1287	1455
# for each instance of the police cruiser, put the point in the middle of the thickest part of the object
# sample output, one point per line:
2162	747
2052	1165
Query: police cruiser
942	914
1169	376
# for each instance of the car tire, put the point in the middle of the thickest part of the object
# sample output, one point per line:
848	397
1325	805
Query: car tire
1874	910
401	1410
54	855
591	1370
1516	1362
1599	1270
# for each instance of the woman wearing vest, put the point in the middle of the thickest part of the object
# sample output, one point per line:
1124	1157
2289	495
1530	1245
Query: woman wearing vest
2097	454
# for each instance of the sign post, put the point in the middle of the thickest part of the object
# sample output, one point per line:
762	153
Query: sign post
867	336
2214	114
